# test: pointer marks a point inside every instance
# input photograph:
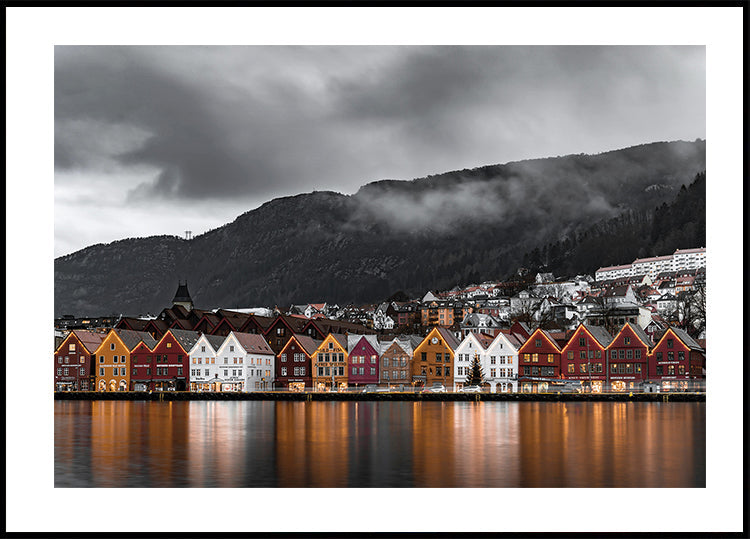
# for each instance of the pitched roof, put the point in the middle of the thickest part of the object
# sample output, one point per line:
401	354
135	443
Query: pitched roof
601	335
353	340
214	340
89	339
131	338
253	343
308	344
185	338
448	337
686	339
642	335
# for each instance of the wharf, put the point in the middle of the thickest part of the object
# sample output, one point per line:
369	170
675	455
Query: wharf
392	396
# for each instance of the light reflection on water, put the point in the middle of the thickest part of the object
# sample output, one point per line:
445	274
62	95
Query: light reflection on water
379	444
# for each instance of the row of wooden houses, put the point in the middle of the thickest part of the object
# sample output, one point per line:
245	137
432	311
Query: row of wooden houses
281	358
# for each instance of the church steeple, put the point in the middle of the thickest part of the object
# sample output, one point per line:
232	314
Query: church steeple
182	296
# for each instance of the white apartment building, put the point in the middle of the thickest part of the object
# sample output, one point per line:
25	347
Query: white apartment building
245	362
502	368
689	259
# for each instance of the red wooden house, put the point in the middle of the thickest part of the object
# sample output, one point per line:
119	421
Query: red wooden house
539	362
141	365
75	360
627	358
294	363
364	360
170	362
584	357
677	362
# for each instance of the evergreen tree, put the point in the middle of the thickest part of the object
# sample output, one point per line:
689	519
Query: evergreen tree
476	376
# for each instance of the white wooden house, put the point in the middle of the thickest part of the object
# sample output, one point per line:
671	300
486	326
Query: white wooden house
203	363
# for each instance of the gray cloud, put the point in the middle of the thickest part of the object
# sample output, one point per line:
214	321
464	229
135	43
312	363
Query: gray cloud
172	124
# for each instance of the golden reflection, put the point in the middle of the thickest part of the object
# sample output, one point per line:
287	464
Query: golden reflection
389	444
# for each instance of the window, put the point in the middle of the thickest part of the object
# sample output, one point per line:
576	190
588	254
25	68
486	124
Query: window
82	371
373	359
670	356
372	372
134	371
385	375
670	369
59	371
638	353
203	348
535	358
231	348
320	371
550	358
582	354
613	368
629	368
115	359
670	343
169	345
101	371
438	357
681	356
681	369
658	356
526	370
385	362
629	354
101	359
493	371
328	371
395	373
460	371
438	370
403	374
582	368
571	368
148	371
72	348
626	340
570	354
283	358
111	346
179	371
59	359
582	341
226	372
659	370
538	343
279	331
637	367
283	371
302	371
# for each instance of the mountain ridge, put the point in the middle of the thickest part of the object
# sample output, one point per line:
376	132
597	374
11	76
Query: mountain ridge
390	235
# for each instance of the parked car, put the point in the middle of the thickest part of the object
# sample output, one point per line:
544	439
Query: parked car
383	390
471	389
436	388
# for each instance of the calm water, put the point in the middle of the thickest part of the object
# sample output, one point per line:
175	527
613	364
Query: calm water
379	444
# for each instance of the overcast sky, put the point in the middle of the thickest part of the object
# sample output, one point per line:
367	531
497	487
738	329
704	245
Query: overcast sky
159	140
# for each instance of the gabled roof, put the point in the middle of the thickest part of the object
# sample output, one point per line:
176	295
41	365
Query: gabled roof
131	338
642	335
601	335
547	335
253	343
214	341
181	324
686	339
89	339
136	324
353	340
308	344
185	338
448	337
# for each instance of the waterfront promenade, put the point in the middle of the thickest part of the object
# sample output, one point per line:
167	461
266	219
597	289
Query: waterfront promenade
391	396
